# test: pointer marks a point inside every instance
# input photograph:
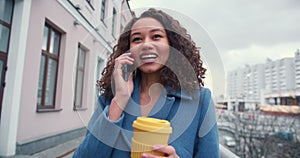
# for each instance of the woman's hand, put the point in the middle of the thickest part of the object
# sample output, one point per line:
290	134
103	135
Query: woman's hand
123	89
168	151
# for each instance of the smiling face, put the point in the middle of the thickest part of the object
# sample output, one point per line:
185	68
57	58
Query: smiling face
149	45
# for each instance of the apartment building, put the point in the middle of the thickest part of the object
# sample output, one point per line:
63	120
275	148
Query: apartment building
235	83
243	87
280	81
273	82
297	69
253	82
51	54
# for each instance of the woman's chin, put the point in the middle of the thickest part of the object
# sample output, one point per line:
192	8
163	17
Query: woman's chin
150	68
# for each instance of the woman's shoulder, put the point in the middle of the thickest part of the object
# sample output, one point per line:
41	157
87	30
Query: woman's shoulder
104	100
204	91
197	92
205	96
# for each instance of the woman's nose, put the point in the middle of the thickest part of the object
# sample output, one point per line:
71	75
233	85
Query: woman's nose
147	39
148	44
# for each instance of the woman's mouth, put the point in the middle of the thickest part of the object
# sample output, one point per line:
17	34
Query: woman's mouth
148	57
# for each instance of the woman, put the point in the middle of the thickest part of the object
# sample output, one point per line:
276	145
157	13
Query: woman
166	84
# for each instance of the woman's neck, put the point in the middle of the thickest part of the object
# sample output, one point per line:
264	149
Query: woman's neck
150	90
150	81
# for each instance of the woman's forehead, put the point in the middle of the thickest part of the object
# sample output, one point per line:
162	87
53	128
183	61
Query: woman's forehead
147	23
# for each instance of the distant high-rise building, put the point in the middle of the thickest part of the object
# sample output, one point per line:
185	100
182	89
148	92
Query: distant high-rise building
235	83
279	75
273	82
253	81
243	85
297	69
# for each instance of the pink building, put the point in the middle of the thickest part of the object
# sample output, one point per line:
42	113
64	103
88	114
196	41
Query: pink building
51	54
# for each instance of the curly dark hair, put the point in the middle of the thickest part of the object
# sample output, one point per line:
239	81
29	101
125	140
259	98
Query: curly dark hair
182	49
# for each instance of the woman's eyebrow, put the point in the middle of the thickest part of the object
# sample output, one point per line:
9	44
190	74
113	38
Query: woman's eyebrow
152	30
135	33
158	29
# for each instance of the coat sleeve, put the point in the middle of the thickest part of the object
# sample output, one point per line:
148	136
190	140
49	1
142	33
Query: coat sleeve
207	140
102	134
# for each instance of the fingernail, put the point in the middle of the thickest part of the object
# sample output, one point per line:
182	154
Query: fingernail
158	146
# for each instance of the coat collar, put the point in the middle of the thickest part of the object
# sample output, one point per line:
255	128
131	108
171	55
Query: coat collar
161	108
180	94
163	105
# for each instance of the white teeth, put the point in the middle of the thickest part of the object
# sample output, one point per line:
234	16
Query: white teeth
149	56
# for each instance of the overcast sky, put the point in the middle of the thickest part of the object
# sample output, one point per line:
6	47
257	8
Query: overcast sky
244	32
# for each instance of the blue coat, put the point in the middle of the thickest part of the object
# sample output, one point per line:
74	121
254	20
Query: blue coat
192	118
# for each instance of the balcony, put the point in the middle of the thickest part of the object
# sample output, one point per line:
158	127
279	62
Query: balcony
225	153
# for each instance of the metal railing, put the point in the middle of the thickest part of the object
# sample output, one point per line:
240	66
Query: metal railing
225	153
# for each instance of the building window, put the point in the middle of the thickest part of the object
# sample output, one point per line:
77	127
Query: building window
4	37
100	67
79	80
48	68
114	22
103	5
5	24
90	3
123	21
6	10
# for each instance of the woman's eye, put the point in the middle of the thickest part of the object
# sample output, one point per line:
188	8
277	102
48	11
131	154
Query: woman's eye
157	36
136	39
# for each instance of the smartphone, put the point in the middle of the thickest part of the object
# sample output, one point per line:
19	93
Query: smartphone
126	70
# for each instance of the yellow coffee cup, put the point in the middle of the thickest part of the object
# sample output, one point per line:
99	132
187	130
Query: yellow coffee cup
148	132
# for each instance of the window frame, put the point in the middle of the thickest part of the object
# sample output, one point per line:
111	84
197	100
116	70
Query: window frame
3	54
114	23
42	107
103	11
90	3
81	49
99	68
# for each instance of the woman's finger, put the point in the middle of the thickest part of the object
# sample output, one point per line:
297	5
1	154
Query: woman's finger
168	150
124	58
121	60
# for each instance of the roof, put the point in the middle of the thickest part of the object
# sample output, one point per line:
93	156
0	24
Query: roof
291	109
220	106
